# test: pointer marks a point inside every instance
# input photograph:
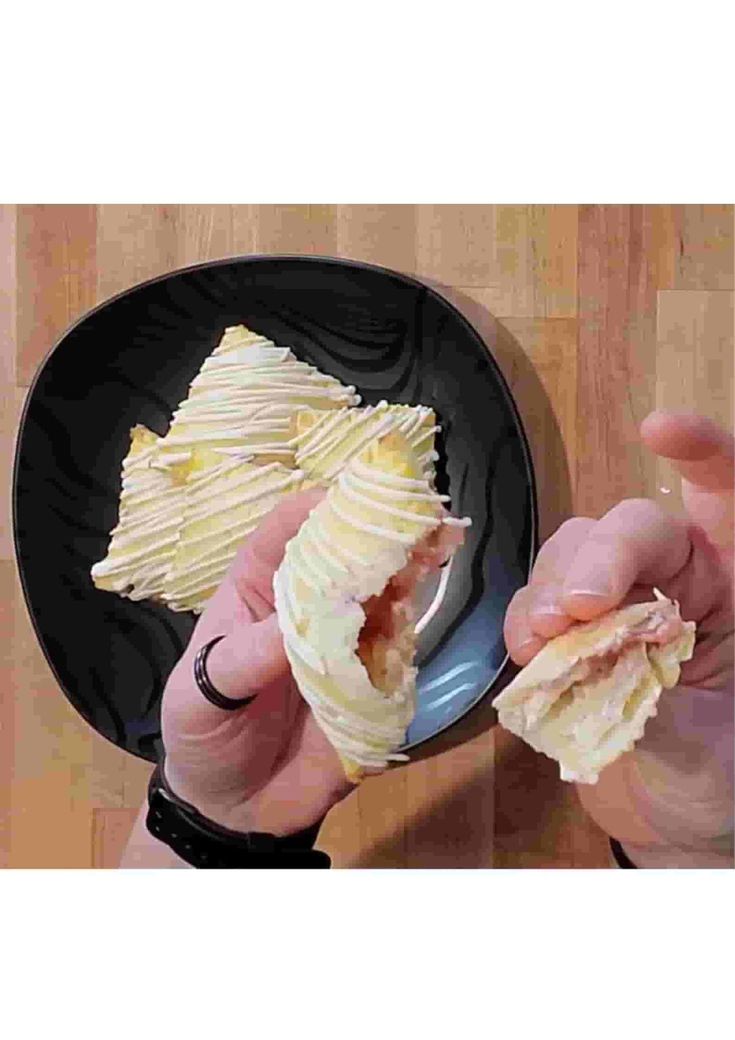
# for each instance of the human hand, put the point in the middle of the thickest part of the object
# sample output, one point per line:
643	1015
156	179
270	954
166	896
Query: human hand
676	786
267	767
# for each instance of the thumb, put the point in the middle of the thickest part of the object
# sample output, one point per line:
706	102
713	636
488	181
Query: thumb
252	570
704	454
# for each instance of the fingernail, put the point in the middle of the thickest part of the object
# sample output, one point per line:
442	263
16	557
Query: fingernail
597	593
548	610
531	641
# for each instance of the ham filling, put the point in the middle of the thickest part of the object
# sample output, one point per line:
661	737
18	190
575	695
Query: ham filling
386	644
660	628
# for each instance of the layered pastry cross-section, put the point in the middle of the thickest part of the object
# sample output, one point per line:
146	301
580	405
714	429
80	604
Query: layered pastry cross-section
344	598
586	696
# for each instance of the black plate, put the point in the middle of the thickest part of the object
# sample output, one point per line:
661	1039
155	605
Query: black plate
131	360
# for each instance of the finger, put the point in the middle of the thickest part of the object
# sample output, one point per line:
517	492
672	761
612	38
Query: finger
546	615
248	659
558	551
260	555
704	455
522	643
250	662
636	542
702	452
535	613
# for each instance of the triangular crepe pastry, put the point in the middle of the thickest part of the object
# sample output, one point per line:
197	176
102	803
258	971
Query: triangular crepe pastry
225	500
324	442
151	507
343	596
585	697
242	400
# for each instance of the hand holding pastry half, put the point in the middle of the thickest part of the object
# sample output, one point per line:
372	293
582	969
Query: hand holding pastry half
602	651
344	595
586	696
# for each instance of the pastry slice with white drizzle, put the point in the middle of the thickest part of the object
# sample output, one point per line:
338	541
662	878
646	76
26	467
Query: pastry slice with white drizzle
143	542
225	499
242	400
324	442
344	599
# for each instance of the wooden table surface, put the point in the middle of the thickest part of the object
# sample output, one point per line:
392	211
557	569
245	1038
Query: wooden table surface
596	315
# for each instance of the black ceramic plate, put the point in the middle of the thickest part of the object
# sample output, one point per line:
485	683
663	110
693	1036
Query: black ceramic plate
131	360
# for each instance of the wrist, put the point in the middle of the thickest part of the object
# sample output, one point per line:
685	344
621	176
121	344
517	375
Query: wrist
144	850
232	810
201	842
668	857
225	808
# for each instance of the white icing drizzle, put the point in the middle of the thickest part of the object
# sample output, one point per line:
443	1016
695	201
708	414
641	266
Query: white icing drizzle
247	375
418	496
144	539
347	553
402	514
348	431
223	506
381	532
393	480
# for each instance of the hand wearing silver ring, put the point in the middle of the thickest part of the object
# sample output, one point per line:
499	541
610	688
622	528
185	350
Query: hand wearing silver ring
268	768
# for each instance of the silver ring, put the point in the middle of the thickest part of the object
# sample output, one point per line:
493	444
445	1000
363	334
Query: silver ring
207	687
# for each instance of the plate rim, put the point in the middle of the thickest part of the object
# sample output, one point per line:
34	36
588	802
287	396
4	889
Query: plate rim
255	258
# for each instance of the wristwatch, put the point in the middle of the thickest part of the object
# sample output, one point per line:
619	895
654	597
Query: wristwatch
207	845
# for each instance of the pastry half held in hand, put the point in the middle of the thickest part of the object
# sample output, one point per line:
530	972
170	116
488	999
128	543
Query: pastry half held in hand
585	697
344	592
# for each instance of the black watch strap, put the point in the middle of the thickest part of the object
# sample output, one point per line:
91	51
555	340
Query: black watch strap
620	856
207	845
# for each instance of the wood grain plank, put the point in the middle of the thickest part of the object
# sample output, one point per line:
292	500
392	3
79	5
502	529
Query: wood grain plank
11	408
384	235
616	354
110	832
10	397
456	245
544	386
435	812
525	256
694	367
297	229
56	277
51	824
210	232
61	769
134	243
539	823
7	705
694	361
451	807
8	287
704	257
